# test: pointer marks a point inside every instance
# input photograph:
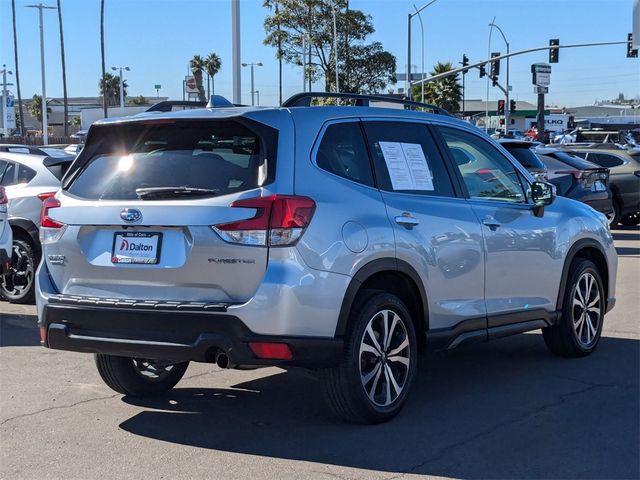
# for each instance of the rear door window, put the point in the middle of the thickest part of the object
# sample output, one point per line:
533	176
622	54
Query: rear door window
343	152
218	156
527	158
406	158
605	160
15	174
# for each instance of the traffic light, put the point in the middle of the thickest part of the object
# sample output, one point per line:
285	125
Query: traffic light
500	107
512	106
554	53
631	52
495	66
483	71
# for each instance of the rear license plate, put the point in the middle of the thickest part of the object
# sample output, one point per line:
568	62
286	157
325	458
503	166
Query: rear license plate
599	186
136	247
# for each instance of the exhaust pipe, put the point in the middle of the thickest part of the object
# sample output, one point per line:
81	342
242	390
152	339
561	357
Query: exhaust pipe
223	361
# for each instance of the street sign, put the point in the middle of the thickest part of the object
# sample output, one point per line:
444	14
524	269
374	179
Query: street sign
157	86
11	112
538	89
541	74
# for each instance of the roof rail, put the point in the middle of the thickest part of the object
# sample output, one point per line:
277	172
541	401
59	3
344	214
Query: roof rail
304	100
168	105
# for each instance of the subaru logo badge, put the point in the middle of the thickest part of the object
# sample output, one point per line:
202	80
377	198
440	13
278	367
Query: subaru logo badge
131	215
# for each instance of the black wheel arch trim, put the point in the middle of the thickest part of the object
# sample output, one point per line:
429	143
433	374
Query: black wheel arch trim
571	255
367	271
29	227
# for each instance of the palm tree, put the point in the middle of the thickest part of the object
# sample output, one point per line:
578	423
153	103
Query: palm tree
35	108
15	52
445	93
64	73
197	65
109	87
212	65
104	71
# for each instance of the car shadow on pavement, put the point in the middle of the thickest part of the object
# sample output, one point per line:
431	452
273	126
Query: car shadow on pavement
19	331
508	409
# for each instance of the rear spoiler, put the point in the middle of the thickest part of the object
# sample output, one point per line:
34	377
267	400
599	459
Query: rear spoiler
55	161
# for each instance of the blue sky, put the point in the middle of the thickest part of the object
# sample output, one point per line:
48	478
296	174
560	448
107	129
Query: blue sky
156	38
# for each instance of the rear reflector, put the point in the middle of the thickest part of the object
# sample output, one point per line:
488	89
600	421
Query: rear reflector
279	220
273	351
43	335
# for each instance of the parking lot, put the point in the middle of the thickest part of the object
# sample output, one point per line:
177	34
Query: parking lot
507	409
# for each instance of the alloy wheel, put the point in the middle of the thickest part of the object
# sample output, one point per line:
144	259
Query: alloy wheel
152	370
586	309
384	358
19	279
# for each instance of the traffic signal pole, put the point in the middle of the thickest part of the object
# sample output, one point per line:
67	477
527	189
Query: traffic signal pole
540	118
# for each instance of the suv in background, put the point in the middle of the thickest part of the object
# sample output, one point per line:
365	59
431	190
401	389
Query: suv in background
525	155
624	180
28	180
342	239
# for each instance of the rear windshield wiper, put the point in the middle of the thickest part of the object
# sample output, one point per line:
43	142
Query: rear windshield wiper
155	193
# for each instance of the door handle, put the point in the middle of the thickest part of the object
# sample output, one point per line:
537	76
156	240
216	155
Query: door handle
491	222
407	221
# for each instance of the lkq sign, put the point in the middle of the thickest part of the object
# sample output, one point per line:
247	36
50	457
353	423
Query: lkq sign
541	77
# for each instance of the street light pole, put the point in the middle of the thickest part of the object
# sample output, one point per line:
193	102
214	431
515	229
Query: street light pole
5	129
422	50
408	70
235	51
507	105
335	47
121	85
259	64
45	126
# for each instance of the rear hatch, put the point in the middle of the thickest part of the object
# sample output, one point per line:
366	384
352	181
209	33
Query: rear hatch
523	153
144	209
569	171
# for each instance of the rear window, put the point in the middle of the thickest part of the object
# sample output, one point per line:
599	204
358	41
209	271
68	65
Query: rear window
572	160
221	156
526	157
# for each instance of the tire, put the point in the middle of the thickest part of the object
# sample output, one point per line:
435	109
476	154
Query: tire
577	335
139	377
614	217
360	389
18	286
631	219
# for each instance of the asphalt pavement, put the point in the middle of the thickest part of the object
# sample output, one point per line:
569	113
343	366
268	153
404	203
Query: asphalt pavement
505	409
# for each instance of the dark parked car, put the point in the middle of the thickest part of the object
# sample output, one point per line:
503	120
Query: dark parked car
624	180
525	155
576	178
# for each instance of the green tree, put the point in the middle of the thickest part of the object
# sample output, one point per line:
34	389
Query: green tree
310	22
212	65
445	93
75	121
109	87
139	100
197	66
35	108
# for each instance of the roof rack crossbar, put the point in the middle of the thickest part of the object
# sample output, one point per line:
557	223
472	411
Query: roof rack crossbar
304	100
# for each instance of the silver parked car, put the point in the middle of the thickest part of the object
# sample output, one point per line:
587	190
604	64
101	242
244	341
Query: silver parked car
28	179
343	239
5	234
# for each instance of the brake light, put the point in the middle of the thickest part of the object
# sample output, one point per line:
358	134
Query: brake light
50	230
279	220
587	177
44	196
274	351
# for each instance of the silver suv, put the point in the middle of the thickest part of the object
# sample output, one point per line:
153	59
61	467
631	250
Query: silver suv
344	239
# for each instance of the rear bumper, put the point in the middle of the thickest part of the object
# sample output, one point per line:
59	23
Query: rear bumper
173	335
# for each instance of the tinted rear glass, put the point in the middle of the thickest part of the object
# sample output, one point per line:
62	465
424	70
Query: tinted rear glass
526	157
573	161
223	156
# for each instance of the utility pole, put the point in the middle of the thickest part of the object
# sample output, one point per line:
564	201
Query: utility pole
540	118
335	48
235	51
45	126
259	64
121	86
410	16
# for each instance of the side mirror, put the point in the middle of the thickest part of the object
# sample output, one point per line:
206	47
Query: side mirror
542	194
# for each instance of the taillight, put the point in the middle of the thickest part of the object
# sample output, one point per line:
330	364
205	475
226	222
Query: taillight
279	220
586	177
3	200
44	196
50	230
